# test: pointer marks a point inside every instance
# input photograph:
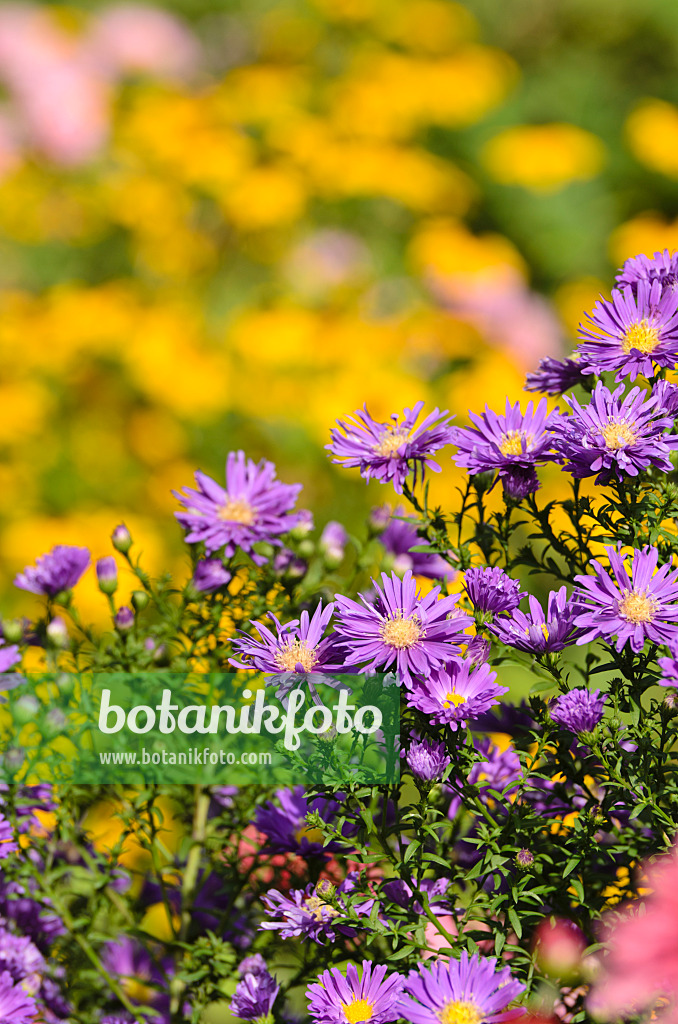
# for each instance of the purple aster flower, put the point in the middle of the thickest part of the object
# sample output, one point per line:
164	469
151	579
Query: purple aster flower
21	958
254	996
662	267
16	1007
308	913
477	650
555	376
8	845
539	632
631	333
333	542
253	507
286	827
59	570
579	710
399	537
511	442
457	693
297	649
667	394
471	989
254	964
615	437
210	575
9	657
669	667
519	482
427	760
491	590
635	607
388	452
373	997
401	628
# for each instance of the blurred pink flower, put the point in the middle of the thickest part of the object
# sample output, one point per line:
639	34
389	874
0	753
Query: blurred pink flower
10	150
135	38
327	259
499	304
560	945
61	105
642	966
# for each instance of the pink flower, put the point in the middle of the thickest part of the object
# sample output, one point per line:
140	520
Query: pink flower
135	38
642	965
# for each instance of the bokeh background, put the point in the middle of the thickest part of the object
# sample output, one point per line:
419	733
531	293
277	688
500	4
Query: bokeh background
223	224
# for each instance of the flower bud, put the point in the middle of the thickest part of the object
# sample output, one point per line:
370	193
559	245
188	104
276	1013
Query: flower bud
140	600
325	889
57	633
124	619
379	518
209	575
107	575
306	548
333	543
122	539
55	722
304	524
524	859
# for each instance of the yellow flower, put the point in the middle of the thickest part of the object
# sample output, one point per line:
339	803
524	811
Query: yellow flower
648	233
431	26
652	134
575	298
265	197
545	157
447	247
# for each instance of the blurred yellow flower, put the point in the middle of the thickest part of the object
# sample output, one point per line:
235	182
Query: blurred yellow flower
652	135
447	247
431	26
576	298
648	233
264	197
544	157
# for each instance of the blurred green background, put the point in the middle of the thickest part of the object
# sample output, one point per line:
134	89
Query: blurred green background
225	224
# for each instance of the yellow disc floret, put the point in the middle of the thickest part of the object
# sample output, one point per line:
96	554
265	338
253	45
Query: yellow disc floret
296	653
641	336
237	510
391	441
513	442
638	606
401	633
460	1011
617	436
358	1011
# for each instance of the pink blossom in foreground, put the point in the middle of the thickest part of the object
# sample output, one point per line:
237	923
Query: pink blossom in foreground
642	965
129	38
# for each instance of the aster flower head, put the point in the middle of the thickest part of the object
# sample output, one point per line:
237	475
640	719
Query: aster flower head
285	826
539	632
555	376
8	844
427	760
21	958
333	541
9	656
579	710
307	913
389	452
297	650
632	333
662	267
210	575
615	436
633	607
457	693
254	964
368	998
471	990
669	667
399	537
400	628
59	570
511	442
253	507
254	996
667	394
16	1007
491	590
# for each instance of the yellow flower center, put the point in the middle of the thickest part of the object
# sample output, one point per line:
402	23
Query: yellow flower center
390	441
638	607
512	442
315	906
617	435
460	1011
296	653
641	337
357	1011
453	698
400	632
314	835
237	511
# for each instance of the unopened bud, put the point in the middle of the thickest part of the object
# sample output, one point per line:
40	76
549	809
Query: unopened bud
57	633
122	539
13	631
304	524
325	889
140	600
107	575
524	859
124	619
25	709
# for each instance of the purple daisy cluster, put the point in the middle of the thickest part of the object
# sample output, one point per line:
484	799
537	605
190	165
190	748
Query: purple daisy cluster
55	572
491	591
256	991
578	711
537	631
